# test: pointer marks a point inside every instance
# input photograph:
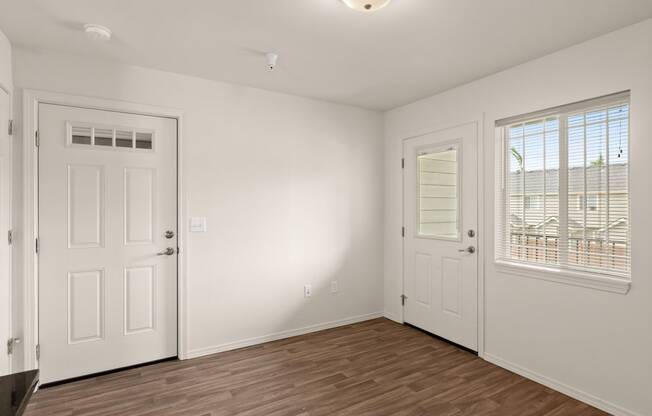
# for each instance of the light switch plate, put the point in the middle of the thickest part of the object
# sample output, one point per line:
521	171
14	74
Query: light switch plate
197	224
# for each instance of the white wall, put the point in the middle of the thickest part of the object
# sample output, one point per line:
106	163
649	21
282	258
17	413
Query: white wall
292	189
6	80
590	343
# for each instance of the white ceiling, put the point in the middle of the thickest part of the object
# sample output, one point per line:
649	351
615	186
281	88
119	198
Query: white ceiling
408	50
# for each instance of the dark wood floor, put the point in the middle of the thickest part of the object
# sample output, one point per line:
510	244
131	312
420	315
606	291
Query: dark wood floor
373	368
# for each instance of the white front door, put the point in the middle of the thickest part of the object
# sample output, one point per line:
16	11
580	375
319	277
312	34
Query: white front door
5	224
440	262
107	214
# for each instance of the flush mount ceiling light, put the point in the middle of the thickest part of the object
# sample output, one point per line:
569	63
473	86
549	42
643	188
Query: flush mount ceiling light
97	32
366	5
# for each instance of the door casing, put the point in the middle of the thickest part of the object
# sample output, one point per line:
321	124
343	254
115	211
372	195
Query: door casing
7	314
31	101
482	240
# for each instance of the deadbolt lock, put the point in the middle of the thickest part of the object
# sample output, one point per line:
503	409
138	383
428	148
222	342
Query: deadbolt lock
471	233
169	234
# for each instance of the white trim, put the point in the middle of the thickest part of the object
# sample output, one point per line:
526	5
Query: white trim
182	272
573	392
392	317
31	100
8	91
10	227
569	277
401	305
200	352
30	304
482	243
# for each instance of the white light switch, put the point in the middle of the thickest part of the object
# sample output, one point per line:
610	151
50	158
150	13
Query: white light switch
197	224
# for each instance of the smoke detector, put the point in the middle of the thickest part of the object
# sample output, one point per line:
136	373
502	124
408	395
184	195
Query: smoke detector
366	5
271	59
97	32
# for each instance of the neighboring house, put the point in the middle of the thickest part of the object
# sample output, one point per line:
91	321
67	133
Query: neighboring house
598	212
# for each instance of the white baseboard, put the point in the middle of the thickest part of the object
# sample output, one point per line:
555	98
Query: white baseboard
587	398
392	317
200	352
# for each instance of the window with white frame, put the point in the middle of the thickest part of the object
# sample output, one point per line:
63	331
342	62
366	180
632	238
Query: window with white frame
563	187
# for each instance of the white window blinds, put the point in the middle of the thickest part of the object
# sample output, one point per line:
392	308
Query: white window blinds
563	187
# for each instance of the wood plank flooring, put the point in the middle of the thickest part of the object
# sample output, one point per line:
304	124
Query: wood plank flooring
373	368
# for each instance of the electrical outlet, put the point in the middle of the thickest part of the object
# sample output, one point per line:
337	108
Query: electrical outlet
334	287
307	291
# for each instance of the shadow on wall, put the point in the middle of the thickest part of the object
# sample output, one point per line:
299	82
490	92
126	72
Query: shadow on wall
300	212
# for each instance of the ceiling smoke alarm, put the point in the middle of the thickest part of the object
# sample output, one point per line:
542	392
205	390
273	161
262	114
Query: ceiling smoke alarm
271	59
366	5
97	32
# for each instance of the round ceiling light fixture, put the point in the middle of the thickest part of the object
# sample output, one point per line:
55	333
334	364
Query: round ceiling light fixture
97	32
366	5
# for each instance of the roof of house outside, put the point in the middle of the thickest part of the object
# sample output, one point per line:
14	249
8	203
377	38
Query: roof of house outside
595	179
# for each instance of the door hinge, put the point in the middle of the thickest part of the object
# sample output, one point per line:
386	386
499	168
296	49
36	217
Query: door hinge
10	128
38	351
403	163
10	237
37	140
11	344
37	246
402	231
403	299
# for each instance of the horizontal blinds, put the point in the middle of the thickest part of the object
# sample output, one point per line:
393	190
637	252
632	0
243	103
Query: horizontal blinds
531	202
598	194
563	194
566	109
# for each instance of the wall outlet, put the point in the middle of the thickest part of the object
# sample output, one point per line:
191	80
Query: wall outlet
334	286
307	291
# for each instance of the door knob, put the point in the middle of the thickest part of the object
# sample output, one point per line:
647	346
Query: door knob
167	252
469	249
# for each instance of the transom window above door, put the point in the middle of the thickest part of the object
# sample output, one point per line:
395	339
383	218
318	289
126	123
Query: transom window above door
103	137
562	188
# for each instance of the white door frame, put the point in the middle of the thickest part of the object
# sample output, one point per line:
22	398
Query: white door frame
31	101
482	241
10	307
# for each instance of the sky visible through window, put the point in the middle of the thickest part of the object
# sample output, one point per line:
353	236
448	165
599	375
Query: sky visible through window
527	140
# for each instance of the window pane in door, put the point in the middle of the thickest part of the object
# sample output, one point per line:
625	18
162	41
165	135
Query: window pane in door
103	137
143	140
81	135
437	177
124	138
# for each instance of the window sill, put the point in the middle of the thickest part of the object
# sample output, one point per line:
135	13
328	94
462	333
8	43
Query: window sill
568	277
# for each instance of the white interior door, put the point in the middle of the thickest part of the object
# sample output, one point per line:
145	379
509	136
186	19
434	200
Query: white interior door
440	242
5	226
107	208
